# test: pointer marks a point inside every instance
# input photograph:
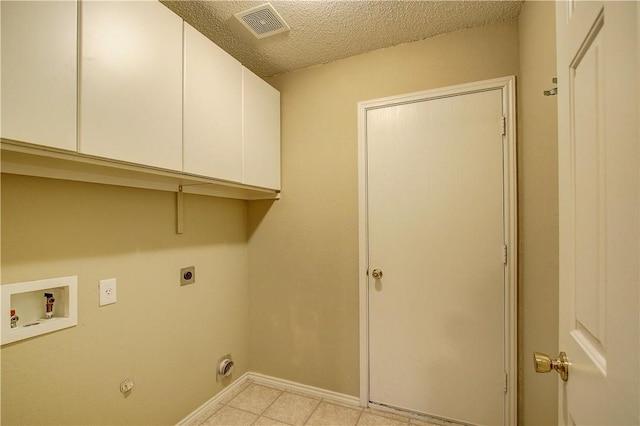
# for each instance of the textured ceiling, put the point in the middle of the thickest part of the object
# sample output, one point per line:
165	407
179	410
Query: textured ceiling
324	31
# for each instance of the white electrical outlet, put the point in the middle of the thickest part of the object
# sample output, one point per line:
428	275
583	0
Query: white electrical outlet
107	289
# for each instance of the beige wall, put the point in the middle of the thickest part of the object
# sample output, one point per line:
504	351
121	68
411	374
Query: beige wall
303	252
538	185
166	337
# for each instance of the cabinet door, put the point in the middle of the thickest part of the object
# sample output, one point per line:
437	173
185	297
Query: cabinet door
212	109
39	72
261	124
131	83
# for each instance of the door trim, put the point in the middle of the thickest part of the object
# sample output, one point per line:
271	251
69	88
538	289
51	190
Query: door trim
507	85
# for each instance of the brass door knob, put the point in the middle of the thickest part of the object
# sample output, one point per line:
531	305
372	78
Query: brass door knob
543	364
377	274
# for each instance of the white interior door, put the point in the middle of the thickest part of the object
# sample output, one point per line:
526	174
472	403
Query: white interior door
436	233
599	211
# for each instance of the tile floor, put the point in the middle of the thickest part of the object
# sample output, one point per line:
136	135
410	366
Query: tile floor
260	404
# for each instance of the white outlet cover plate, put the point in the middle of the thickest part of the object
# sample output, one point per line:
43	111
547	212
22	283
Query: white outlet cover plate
107	290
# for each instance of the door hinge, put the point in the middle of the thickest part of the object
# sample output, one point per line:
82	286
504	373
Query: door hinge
503	124
506	382
505	254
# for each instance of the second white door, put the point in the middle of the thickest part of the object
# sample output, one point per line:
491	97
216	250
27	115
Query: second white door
436	234
599	211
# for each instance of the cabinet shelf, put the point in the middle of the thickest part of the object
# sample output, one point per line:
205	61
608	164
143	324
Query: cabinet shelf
23	159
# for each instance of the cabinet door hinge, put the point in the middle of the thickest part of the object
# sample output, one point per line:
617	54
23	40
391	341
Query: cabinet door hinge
503	126
506	382
505	254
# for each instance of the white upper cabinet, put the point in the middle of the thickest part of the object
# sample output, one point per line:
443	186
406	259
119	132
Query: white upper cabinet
39	72
261	124
212	109
131	83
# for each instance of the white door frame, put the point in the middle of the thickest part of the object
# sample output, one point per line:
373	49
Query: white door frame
507	85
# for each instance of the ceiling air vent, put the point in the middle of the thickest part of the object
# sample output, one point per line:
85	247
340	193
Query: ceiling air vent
262	21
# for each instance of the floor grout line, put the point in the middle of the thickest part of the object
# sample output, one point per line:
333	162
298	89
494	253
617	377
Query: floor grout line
282	391
318	401
312	412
